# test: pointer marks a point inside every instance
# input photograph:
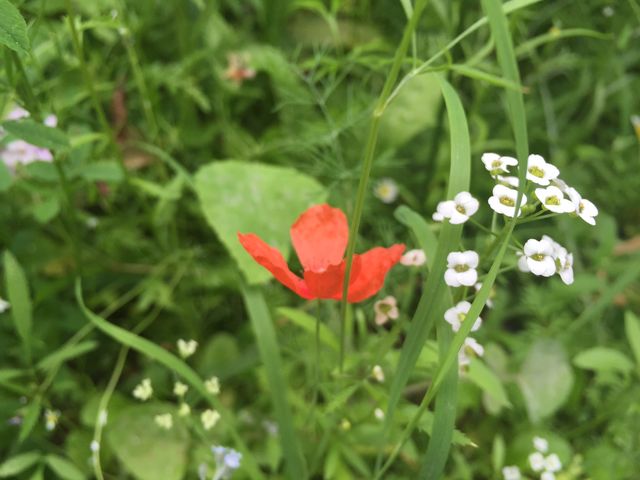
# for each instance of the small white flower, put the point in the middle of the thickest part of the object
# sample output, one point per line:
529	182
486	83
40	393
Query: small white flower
461	268
456	315
143	390
184	410
386	190
608	11
552	463
379	414
540	257
522	262
536	460
561	184
209	418
4	305
164	421
270	427
459	209
438	215
102	418
94	446
547	476
213	385
564	266
186	348
504	199
508	181
377	373
553	200
585	209
492	294
511	473
386	309
51	418
539	171
541	444
469	349
180	389
413	258
497	164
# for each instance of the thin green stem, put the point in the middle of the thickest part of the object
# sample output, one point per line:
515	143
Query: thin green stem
367	163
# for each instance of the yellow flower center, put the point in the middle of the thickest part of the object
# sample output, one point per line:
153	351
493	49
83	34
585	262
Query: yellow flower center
461	268
538	257
552	200
508	201
461	209
536	172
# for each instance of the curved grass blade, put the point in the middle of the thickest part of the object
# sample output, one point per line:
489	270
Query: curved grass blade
427	240
19	298
172	362
270	354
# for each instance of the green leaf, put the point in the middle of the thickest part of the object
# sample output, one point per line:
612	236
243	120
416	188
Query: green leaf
427	240
603	359
63	468
270	354
30	419
6	178
18	296
18	464
67	352
254	198
545	379
104	171
146	450
13	29
172	362
489	382
632	328
37	133
46	210
308	324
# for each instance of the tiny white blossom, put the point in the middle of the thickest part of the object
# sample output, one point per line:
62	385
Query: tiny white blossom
377	373
504	199
522	262
470	348
561	184
209	418
51	418
213	385
379	414
540	171
608	11
536	460
497	164
457	314
461	268
553	200
492	294
552	463
386	309
584	208
186	348
511	473
540	257
438	215
164	421
180	389
413	258
184	410
541	444
94	446
143	390
102	418
4	305
508	181
386	190
547	476
459	209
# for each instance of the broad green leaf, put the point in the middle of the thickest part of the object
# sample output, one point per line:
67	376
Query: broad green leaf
18	296
67	352
489	382
46	210
101	171
63	468
308	324
254	198
146	450
7	374
18	464
545	379
30	419
37	133
6	178
632	328
13	29
603	359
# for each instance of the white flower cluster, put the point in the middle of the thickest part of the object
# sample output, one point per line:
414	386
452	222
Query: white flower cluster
545	257
543	174
546	466
458	210
455	316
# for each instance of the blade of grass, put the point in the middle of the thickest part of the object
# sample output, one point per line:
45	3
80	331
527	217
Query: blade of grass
18	296
427	240
270	353
507	61
172	362
526	47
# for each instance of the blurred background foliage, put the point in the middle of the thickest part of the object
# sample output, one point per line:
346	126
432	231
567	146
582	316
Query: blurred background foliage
150	89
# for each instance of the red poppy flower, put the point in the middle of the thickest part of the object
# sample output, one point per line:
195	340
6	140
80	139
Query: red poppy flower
320	237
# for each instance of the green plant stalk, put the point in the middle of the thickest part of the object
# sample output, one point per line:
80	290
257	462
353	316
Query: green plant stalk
367	163
31	100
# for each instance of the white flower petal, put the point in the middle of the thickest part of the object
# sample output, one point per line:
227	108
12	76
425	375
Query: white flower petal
468	278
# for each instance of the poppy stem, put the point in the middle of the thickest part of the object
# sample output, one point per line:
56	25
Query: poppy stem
367	163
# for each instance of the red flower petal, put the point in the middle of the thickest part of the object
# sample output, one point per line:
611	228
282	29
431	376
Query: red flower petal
320	237
271	259
374	266
328	284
